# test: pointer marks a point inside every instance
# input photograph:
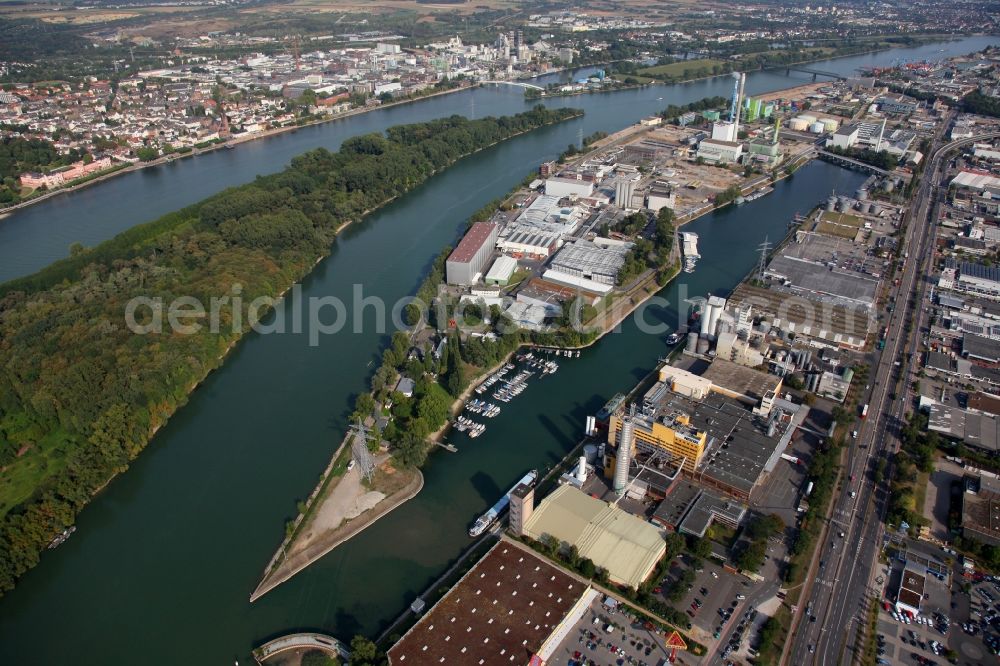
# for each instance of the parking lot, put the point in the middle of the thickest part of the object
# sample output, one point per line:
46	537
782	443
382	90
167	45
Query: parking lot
608	637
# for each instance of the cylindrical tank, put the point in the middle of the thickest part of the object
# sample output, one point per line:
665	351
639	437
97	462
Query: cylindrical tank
624	456
692	343
581	469
889	186
876	210
716	307
798	125
590	453
862	194
806	117
830	125
703	346
706	318
831	204
816	127
845	205
869	207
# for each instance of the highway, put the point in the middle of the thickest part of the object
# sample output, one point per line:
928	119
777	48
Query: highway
842	584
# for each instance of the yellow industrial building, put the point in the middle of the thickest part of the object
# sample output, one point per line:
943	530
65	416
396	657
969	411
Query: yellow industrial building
672	433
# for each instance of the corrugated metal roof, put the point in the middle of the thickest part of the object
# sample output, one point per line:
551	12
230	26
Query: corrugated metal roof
627	546
472	241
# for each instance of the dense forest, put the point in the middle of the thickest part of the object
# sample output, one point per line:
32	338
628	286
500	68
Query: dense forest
81	395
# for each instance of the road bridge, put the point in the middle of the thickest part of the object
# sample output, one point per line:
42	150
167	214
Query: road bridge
519	84
850	162
815	72
302	641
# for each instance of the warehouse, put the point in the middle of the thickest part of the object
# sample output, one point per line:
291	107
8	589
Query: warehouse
526	241
501	270
978	279
980	349
592	261
465	264
512	607
568	187
613	539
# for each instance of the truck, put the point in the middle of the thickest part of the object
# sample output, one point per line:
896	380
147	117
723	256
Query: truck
809	488
864	411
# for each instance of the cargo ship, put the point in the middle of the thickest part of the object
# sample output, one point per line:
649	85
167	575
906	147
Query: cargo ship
487	519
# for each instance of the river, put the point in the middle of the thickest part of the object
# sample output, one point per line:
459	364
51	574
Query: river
162	564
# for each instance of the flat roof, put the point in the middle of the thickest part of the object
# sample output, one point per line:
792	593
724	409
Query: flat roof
501	612
740	379
472	242
974	428
672	509
981	348
833	318
981	510
979	271
706	508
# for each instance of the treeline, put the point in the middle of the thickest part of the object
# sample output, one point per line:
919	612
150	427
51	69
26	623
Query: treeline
674	111
822	473
984	105
81	395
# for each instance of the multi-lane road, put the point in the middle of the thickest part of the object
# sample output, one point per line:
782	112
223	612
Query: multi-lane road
844	566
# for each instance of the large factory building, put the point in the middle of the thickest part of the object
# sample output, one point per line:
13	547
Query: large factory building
466	263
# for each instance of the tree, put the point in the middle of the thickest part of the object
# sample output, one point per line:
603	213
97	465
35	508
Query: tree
364	652
147	153
410	451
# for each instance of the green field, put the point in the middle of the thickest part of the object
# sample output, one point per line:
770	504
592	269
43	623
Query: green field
678	68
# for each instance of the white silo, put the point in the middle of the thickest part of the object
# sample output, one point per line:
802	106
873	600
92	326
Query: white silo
716	306
624	455
692	343
581	470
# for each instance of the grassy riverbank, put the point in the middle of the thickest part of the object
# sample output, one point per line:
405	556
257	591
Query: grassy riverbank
75	410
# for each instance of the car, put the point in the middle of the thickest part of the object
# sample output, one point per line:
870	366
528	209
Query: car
812	648
854	434
715	575
741	597
853	494
350	465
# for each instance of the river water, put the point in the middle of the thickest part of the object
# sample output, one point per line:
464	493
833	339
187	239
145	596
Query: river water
163	562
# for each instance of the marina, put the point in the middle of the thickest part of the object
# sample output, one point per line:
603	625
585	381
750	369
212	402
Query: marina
689	249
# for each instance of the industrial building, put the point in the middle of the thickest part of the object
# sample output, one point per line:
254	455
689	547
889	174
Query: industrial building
558	186
501	270
981	509
691	509
624	190
970	426
978	279
613	539
512	607
599	260
710	434
466	263
720	152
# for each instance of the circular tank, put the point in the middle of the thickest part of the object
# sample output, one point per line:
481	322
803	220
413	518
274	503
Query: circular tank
806	117
703	346
889	186
798	125
831	204
830	125
876	210
845	205
862	194
816	128
692	343
869	207
590	453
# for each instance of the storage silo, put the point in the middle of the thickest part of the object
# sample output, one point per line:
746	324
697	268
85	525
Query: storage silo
862	194
703	346
830	125
581	470
816	127
798	125
831	204
806	117
716	306
869	207
692	343
590	453
845	205
623	457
